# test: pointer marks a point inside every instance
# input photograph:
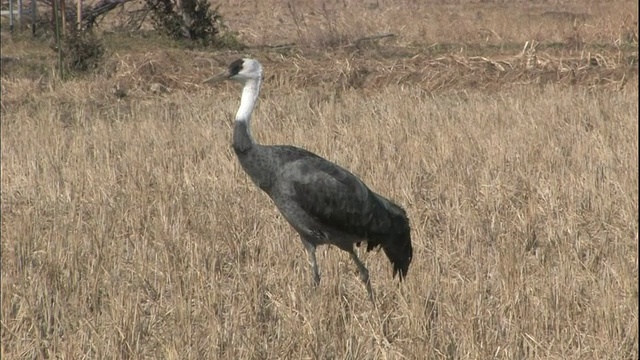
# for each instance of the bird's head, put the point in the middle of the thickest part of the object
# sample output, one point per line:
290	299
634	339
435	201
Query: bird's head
241	70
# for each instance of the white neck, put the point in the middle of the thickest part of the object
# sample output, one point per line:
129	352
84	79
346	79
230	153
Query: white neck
248	101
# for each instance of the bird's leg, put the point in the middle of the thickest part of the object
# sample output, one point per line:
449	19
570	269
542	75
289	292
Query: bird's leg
364	273
311	250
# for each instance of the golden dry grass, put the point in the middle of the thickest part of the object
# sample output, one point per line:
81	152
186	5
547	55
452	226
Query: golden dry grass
129	231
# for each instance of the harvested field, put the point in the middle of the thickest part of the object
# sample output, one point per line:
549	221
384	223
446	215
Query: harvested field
508	131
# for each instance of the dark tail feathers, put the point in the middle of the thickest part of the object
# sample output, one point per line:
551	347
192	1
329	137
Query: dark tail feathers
396	241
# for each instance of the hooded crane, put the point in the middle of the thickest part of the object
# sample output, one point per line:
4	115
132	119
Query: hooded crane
323	202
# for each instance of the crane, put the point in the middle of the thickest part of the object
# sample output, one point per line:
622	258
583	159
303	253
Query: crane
323	202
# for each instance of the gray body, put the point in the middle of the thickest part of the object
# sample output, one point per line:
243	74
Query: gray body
325	203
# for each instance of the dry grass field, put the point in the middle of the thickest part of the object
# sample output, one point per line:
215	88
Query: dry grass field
129	230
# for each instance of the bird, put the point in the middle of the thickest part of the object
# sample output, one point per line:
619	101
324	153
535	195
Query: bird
322	201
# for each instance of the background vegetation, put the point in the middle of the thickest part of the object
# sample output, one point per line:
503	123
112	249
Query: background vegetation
508	130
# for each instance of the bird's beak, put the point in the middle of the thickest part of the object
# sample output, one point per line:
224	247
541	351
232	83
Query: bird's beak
217	78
